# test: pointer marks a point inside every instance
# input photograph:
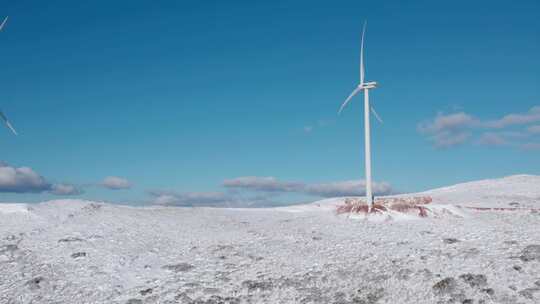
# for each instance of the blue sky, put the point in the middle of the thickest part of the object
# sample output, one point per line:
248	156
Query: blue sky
180	97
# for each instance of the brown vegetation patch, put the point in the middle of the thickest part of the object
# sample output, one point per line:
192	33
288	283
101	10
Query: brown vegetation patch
401	204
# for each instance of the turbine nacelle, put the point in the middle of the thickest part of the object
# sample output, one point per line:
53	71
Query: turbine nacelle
368	85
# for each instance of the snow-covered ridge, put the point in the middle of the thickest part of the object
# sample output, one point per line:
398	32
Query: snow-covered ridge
75	251
499	192
516	190
13	208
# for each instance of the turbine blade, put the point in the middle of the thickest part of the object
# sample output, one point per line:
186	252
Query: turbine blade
8	124
11	128
362	69
349	99
376	115
3	23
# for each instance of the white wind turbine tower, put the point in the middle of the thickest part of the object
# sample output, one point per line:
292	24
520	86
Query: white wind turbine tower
365	86
2	116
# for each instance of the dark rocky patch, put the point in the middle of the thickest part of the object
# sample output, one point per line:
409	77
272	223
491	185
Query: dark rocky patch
70	239
11	237
35	283
474	280
257	285
216	300
134	301
445	286
374	296
9	248
78	255
183	298
457	298
529	292
467	301
222	248
404	274
450	240
180	267
517	268
471	252
146	291
211	290
530	253
92	207
489	291
255	258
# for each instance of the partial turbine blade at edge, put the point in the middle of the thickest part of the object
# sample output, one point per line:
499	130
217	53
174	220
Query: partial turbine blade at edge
3	23
348	99
8	124
362	69
376	115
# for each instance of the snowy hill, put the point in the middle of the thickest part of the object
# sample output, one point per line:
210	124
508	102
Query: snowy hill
501	192
511	191
73	251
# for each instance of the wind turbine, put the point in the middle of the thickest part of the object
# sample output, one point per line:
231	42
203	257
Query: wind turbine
2	116
365	86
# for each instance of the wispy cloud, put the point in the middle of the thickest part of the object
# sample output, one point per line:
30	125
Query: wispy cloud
492	139
263	191
339	188
531	146
258	183
532	116
308	129
115	183
534	129
448	130
65	189
170	198
321	123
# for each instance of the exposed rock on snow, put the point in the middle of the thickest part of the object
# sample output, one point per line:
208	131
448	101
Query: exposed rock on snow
445	286
531	252
474	280
181	267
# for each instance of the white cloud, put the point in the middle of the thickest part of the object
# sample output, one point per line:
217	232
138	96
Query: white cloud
26	180
447	130
21	180
115	183
65	189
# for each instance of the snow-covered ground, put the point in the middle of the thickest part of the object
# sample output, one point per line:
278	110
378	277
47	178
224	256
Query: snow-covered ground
72	251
